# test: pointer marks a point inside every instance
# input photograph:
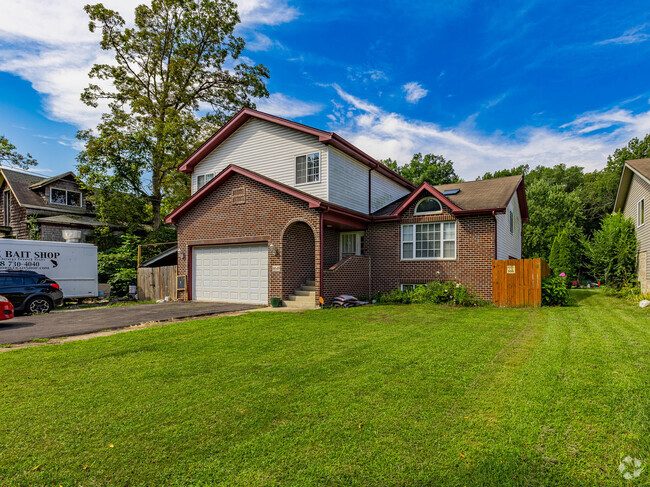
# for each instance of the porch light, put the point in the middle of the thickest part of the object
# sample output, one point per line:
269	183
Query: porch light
273	250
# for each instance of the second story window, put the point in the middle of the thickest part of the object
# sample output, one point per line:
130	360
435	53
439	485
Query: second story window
203	179
65	197
308	168
511	218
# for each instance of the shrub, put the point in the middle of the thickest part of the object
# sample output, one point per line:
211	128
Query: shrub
555	292
567	252
612	251
444	292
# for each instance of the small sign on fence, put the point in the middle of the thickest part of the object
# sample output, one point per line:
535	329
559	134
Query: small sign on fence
510	269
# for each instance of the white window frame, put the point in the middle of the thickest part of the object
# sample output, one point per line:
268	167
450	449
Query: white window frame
437	212
206	179
640	222
295	168
511	222
442	241
81	197
358	248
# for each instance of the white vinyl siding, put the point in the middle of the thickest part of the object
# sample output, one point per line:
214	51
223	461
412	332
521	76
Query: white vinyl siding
348	181
429	241
384	191
270	150
639	190
509	243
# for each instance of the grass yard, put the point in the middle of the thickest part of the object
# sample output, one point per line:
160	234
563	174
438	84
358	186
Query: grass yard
385	395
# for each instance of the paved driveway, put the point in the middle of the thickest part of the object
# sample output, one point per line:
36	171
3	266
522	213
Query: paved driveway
61	324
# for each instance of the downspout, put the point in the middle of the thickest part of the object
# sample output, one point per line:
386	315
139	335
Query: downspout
370	191
322	238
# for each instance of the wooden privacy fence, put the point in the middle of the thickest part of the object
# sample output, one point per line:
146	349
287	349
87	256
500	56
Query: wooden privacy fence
156	282
518	282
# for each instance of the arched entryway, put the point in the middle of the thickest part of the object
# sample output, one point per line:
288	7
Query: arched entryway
298	257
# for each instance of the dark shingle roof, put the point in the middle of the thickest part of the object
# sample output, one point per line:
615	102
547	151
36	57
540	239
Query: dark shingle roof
23	186
484	194
642	166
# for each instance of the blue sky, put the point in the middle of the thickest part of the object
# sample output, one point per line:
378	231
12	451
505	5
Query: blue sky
487	84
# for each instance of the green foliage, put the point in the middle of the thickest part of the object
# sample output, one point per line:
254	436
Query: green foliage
612	251
33	227
567	252
522	170
431	168
550	210
118	266
555	292
9	155
445	292
181	55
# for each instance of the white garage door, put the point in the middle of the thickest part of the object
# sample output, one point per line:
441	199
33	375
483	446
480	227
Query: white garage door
237	274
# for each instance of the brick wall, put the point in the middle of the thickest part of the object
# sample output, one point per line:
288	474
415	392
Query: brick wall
472	266
330	247
298	257
349	276
258	213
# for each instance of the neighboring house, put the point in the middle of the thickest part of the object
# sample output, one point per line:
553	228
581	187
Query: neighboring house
279	209
51	204
633	194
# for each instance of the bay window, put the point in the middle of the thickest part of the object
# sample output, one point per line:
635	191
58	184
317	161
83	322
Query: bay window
429	241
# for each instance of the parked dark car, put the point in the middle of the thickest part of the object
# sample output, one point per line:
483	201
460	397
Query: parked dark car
30	292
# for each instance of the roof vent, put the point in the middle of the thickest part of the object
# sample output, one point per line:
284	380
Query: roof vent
449	192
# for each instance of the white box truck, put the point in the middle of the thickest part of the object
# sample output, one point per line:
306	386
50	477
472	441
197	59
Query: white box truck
72	265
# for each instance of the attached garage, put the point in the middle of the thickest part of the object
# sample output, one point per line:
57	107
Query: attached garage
234	274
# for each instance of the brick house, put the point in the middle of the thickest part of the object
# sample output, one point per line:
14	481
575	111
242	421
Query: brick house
279	209
52	204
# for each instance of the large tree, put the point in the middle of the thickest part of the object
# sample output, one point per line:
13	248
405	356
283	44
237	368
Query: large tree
432	168
550	209
176	77
10	156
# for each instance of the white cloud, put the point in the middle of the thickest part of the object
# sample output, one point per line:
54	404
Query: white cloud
49	45
261	42
414	92
285	106
630	36
585	141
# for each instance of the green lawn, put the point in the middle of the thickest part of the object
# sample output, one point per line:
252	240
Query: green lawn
385	395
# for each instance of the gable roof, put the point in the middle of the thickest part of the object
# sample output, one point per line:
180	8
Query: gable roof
23	186
327	138
231	170
640	167
474	197
46	181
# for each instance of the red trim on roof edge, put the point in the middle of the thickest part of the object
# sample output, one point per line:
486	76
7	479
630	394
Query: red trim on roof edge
328	138
433	191
226	174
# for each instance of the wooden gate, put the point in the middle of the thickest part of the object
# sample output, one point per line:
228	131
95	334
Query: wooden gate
156	283
518	282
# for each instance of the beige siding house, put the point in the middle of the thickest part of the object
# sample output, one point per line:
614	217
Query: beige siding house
632	198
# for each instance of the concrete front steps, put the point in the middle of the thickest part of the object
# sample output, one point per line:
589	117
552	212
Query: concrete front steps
303	298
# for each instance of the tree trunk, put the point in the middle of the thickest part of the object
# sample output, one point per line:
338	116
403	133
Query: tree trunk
156	196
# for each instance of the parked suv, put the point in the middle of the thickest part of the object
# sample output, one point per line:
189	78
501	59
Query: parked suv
30	292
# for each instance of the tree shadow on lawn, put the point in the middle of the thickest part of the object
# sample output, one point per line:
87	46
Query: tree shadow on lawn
581	297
